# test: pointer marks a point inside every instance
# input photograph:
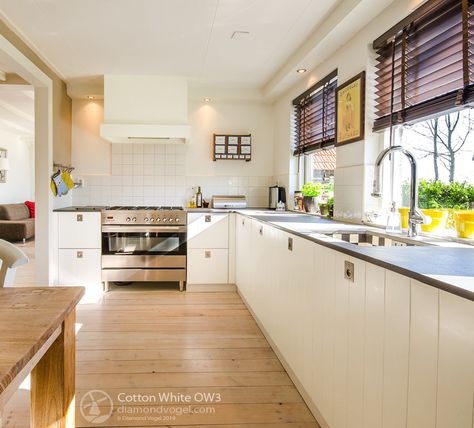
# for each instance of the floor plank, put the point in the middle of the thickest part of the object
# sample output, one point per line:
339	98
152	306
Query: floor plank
165	344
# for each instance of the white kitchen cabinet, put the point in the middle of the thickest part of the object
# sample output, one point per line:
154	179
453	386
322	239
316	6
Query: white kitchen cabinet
423	364
79	250
355	351
79	266
79	230
396	349
210	261
208	230
455	362
374	345
243	256
208	266
381	351
322	391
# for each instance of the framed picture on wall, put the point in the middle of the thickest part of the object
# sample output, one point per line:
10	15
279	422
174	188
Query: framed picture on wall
350	110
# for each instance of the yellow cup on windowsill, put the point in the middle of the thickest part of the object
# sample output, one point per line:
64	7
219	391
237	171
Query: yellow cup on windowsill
404	216
464	221
439	220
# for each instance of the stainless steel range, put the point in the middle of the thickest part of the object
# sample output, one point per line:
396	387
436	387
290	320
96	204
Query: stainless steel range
144	244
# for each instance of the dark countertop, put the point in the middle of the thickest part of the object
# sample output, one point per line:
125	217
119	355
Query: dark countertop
449	268
83	209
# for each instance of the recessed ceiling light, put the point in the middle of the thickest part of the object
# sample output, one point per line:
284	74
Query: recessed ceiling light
206	100
90	97
301	70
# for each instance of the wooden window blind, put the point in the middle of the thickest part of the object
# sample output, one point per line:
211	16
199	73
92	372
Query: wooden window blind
425	64
315	116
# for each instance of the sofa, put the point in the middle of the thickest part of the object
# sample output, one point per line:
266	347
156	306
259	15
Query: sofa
15	223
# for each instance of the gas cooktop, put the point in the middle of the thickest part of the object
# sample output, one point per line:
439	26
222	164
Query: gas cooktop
143	208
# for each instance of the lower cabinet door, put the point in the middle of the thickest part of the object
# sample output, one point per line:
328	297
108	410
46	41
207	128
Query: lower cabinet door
208	266
79	267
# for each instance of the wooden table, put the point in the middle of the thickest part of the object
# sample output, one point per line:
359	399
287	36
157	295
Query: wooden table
37	335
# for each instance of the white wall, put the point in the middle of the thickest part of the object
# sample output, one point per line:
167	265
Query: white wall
163	174
354	161
20	178
90	154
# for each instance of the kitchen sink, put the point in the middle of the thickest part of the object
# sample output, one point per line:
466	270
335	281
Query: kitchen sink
375	239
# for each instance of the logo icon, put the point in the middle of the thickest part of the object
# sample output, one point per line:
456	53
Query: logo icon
96	406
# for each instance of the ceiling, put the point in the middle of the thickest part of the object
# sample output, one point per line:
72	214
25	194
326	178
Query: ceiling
17	109
191	38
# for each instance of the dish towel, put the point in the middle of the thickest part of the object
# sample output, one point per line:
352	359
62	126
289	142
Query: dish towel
67	180
61	187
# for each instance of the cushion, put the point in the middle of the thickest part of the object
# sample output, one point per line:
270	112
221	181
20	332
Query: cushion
31	207
14	212
15	231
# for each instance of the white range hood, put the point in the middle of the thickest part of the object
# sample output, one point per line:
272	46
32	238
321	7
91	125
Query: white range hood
145	109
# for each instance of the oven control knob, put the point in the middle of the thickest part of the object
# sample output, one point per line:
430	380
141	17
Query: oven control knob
165	219
127	219
146	219
158	219
134	219
176	219
152	219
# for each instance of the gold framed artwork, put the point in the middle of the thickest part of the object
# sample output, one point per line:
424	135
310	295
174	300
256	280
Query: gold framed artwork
350	110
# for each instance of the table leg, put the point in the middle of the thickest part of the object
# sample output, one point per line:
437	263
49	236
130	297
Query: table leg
53	382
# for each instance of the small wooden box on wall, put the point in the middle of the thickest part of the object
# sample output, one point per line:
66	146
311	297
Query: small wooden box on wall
233	147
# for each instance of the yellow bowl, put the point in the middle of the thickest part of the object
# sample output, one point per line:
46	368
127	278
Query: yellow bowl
439	219
404	216
464	221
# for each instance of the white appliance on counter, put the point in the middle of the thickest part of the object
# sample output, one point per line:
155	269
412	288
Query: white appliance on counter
229	202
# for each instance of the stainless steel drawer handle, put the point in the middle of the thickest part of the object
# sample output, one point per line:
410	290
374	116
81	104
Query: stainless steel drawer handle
207	219
261	230
349	271
290	244
80	254
79	217
207	254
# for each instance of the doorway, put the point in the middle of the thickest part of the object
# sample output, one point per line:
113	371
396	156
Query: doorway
40	85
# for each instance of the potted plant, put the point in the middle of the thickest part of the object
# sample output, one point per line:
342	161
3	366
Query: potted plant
331	207
310	192
327	191
431	203
442	202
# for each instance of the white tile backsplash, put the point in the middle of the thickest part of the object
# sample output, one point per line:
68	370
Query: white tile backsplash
155	174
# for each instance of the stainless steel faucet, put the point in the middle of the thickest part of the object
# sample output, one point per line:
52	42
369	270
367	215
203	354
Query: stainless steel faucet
414	217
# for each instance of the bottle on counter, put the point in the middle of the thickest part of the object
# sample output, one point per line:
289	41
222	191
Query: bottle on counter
394	220
199	198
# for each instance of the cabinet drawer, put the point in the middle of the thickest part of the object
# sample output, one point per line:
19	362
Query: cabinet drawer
208	266
79	267
208	230
79	230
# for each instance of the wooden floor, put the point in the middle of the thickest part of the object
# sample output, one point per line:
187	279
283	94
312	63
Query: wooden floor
141	343
25	275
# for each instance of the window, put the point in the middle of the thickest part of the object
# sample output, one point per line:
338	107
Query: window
320	165
424	97
443	147
314	116
425	64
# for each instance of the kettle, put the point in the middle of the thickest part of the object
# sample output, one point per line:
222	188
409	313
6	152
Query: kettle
276	194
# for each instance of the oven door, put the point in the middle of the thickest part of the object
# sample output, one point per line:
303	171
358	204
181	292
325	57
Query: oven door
144	241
